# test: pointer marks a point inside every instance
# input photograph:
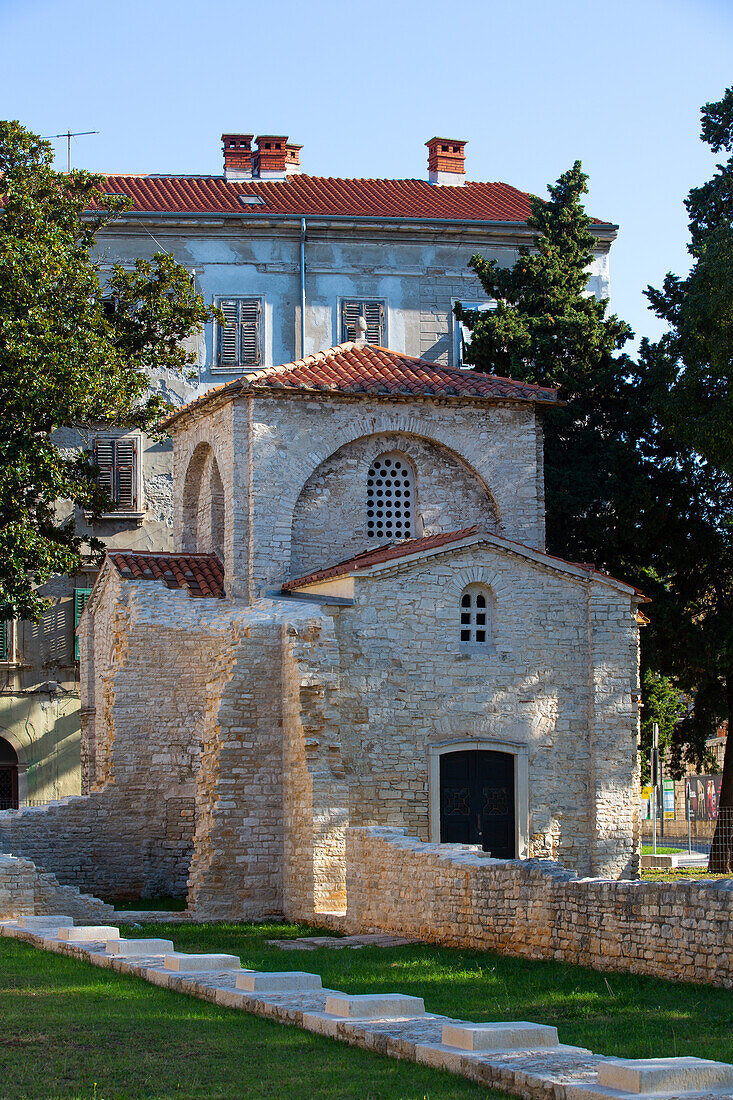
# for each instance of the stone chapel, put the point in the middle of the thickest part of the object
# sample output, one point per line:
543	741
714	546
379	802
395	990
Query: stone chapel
360	626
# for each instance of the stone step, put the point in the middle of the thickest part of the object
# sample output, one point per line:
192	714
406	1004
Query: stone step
139	947
88	933
375	1006
254	981
56	920
180	961
515	1035
650	1075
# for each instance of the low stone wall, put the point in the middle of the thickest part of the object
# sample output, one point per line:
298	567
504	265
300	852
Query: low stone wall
105	842
26	891
452	894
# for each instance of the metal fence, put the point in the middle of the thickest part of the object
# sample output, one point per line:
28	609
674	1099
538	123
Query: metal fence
695	837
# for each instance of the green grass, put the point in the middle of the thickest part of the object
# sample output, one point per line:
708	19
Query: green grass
66	1024
677	874
169	905
648	850
73	1031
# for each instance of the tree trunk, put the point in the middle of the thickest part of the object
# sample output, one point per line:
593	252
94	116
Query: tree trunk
721	850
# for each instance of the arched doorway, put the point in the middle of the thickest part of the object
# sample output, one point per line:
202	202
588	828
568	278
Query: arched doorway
8	776
477	804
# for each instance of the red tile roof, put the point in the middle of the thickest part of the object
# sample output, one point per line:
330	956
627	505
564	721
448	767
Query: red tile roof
380	554
313	196
200	574
384	553
364	370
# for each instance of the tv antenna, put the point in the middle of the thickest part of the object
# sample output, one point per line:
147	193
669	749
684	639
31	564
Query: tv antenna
69	135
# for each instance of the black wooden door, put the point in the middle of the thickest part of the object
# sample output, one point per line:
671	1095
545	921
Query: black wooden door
477	800
8	776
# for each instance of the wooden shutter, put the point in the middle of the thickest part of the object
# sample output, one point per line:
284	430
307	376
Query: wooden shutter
373	314
81	595
125	494
239	338
104	456
249	331
4	641
228	333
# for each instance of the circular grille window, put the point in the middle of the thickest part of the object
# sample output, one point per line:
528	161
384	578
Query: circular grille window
390	499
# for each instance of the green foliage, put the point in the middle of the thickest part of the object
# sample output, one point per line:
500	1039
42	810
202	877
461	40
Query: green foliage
664	704
547	329
64	360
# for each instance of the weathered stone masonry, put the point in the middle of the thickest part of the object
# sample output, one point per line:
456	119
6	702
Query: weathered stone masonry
453	895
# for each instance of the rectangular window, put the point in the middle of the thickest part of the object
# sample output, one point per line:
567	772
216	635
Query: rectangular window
461	334
5	641
239	341
373	312
81	595
118	470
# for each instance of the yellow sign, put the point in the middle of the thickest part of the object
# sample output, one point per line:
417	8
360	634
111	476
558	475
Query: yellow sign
646	792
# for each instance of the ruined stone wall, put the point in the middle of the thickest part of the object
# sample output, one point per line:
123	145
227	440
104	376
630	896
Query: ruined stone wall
26	891
330	517
293	437
553	684
453	895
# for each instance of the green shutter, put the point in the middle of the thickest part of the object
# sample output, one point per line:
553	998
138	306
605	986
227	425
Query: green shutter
81	595
4	641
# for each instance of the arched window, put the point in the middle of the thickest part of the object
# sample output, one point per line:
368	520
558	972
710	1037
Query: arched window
390	498
476	615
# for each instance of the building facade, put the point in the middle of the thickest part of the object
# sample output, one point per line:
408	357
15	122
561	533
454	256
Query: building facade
292	260
359	625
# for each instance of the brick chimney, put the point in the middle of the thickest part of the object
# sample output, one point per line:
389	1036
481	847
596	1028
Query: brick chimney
237	156
269	160
292	159
446	162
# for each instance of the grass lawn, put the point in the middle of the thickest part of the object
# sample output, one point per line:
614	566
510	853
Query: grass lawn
74	1031
677	874
648	850
67	1024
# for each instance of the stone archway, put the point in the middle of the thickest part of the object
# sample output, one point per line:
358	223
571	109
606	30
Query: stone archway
203	504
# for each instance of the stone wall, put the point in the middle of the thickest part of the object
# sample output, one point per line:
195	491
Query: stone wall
26	891
267	450
330	515
453	895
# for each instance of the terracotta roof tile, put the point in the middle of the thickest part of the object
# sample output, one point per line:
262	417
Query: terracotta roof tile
355	369
313	196
199	574
380	554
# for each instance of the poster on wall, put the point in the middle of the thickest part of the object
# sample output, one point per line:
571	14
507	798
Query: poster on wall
702	793
668	799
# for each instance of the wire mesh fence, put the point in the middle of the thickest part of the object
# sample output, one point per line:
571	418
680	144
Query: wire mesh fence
695	838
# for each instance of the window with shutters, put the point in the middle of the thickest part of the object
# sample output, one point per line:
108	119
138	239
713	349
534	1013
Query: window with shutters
118	462
374	313
239	341
81	595
475	613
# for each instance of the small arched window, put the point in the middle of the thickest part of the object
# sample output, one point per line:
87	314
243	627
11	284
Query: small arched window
475	615
390	498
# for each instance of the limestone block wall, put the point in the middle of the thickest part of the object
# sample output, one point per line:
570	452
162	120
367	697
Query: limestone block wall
497	446
26	891
452	894
330	515
554	684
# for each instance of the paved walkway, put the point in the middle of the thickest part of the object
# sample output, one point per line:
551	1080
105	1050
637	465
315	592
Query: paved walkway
521	1058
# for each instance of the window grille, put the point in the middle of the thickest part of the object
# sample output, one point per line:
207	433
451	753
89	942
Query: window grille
475	616
81	595
373	313
238	341
4	641
117	462
390	499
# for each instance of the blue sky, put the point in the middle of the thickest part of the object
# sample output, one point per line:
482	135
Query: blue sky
532	85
